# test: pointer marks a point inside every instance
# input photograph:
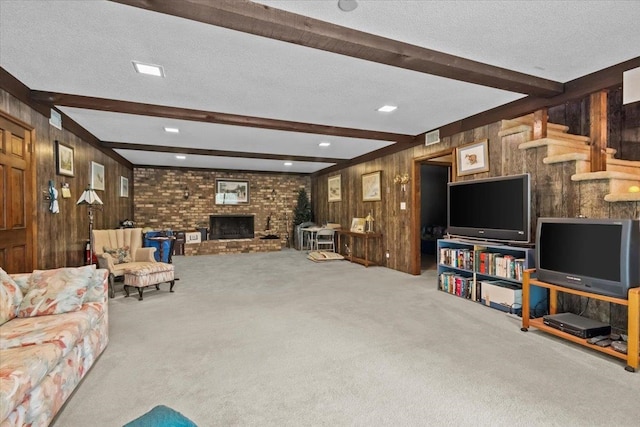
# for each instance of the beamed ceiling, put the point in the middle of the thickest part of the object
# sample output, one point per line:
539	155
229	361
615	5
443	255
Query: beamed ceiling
252	85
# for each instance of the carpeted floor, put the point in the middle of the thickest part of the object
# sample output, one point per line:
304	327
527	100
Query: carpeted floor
278	340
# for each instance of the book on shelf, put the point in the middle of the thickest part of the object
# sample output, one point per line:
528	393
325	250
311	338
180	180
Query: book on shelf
456	284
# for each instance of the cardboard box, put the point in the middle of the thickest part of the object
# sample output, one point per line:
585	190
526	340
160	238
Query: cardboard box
501	295
192	237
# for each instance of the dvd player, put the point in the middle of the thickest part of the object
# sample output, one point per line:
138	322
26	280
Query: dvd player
579	326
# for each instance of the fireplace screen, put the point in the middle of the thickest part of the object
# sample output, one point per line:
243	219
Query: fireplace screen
231	227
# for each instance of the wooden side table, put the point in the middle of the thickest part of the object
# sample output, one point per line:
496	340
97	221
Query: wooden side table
351	235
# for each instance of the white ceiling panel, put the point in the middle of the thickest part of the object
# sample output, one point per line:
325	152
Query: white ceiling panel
85	47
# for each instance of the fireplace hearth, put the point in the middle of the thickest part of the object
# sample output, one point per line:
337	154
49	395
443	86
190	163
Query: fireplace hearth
231	227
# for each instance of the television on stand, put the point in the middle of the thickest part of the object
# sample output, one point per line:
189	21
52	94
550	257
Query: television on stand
495	209
600	256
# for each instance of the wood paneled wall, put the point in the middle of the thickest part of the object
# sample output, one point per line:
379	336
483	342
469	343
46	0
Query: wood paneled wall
552	192
62	237
390	220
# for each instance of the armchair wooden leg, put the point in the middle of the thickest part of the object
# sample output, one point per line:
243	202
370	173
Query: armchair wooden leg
140	292
173	282
126	291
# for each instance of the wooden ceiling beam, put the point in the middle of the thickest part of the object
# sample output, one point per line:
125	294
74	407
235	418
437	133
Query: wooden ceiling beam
217	153
127	107
265	21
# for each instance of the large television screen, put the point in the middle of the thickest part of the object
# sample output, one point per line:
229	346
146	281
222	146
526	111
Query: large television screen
495	208
600	256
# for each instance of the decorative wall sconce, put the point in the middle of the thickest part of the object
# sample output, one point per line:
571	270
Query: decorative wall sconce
403	180
186	193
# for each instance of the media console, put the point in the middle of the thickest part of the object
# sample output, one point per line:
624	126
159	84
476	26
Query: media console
633	323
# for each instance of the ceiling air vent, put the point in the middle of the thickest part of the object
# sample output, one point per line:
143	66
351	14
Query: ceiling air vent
432	137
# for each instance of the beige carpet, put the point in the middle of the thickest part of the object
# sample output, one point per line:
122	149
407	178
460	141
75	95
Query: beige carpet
278	340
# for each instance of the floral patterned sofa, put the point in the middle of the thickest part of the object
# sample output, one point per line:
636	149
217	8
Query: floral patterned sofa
53	326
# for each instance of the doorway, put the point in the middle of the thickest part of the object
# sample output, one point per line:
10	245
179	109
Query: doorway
430	217
433	211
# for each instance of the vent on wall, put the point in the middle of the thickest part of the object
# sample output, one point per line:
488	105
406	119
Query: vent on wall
432	137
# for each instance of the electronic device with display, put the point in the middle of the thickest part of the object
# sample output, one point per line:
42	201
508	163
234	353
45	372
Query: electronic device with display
600	256
496	208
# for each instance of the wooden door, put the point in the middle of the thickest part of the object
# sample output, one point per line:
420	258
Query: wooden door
16	197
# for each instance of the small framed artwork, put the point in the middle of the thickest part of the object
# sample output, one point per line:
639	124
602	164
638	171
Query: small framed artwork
64	159
473	158
231	192
371	191
124	187
97	176
334	188
357	225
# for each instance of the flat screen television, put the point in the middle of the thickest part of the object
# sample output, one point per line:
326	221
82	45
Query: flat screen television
495	208
600	256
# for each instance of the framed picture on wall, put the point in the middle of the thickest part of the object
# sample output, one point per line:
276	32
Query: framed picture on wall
97	176
371	191
64	159
472	158
334	185
124	187
231	192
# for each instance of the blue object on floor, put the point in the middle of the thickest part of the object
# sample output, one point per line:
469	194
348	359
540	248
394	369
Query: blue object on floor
163	247
161	416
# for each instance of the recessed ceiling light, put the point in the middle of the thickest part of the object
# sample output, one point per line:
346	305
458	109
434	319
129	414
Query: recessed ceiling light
347	5
180	157
149	69
324	144
172	130
288	164
387	108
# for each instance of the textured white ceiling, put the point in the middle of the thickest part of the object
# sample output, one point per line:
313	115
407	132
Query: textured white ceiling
86	47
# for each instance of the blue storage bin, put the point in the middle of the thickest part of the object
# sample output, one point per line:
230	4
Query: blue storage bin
162	246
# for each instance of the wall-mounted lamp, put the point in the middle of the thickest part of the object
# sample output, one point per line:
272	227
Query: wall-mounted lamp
186	193
403	180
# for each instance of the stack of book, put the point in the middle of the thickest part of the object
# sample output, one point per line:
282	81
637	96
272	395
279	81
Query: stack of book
497	264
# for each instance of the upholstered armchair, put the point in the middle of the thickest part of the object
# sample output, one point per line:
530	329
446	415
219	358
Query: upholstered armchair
120	250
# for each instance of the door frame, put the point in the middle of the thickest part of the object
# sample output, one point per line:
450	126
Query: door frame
415	250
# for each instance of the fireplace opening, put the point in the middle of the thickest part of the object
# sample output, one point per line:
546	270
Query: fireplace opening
231	227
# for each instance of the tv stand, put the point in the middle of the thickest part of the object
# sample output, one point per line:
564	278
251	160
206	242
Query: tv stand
633	325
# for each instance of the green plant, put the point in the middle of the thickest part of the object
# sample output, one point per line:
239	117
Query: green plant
302	211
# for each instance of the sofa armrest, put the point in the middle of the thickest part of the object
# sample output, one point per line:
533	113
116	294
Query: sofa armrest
145	254
106	261
104	274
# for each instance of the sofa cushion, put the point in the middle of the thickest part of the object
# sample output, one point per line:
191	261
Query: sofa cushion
10	297
21	369
63	330
55	291
22	280
120	269
119	255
